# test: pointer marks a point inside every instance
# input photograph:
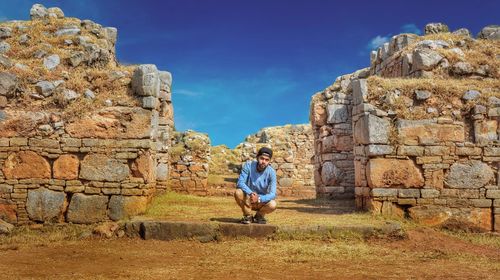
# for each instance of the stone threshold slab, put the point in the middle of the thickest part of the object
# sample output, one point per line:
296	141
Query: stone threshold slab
206	232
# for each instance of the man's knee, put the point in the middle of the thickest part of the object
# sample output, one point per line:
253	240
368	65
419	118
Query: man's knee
239	194
272	205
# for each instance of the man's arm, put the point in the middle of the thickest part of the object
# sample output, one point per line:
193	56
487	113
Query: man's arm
245	172
272	194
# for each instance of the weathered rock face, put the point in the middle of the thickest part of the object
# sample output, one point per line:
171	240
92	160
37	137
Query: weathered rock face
113	122
144	167
98	167
24	165
428	132
393	173
123	207
44	205
8	211
472	174
66	167
87	209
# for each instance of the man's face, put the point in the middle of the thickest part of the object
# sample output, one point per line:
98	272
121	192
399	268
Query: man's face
263	161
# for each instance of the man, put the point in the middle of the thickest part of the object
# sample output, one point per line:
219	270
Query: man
256	188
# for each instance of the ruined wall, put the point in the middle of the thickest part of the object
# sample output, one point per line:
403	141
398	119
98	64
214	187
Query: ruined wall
292	147
82	139
425	129
189	163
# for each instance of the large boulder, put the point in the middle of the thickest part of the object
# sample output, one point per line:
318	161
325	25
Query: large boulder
66	167
38	11
44	205
99	167
26	165
87	209
491	32
471	174
123	207
388	172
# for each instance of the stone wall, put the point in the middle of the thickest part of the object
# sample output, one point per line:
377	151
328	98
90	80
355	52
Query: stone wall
425	149
91	155
331	121
189	163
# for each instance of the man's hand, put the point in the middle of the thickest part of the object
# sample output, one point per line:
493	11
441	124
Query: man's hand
254	198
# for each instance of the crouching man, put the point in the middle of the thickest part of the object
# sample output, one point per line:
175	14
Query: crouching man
256	188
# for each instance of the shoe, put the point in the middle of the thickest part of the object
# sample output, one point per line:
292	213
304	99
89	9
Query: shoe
258	219
247	219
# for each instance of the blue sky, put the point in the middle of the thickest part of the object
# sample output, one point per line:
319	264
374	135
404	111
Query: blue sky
241	65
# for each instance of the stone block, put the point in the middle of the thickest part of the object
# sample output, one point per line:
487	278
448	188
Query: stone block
87	209
411	150
493	194
162	172
384	192
492	151
469	174
337	113
331	174
429	193
124	207
415	132
99	167
482	203
26	164
378	150
485	131
146	80
44	205
429	215
144	167
409	193
149	102
370	129
468	151
66	167
382	172
44	143
175	230
359	91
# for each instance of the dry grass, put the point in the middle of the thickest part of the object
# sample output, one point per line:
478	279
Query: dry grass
77	78
223	160
446	95
181	207
26	235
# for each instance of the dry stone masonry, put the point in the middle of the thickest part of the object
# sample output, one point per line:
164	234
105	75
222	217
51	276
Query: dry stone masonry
189	163
423	122
82	138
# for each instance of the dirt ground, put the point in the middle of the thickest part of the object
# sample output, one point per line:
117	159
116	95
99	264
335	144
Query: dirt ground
426	254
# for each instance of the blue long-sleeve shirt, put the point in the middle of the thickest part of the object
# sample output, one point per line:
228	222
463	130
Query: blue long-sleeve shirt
263	183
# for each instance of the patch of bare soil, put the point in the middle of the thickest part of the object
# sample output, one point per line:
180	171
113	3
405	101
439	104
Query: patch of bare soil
415	258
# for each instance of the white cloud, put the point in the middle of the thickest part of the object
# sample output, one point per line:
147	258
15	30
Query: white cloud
378	41
187	92
411	28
